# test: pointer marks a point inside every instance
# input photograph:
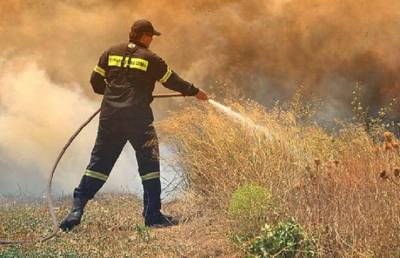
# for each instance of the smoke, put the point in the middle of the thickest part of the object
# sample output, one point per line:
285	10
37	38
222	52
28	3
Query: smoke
263	49
37	117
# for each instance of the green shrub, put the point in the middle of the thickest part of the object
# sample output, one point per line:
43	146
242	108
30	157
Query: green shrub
249	201
249	207
286	240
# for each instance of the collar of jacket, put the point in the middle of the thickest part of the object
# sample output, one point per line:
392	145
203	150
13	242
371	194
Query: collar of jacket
139	44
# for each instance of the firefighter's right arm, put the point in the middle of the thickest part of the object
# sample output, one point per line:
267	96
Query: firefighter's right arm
97	79
171	80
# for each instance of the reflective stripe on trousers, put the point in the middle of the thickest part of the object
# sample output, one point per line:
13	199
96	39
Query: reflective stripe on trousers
108	146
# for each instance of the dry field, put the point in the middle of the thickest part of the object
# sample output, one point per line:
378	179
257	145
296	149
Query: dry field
342	188
113	227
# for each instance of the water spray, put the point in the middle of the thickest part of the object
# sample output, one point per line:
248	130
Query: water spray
250	124
50	180
246	121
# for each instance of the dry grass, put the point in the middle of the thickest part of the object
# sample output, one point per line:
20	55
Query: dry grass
112	227
342	188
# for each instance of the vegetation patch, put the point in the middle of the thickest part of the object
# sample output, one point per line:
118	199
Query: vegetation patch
286	240
13	252
249	208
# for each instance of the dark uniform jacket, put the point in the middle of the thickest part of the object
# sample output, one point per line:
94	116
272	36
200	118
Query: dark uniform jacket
126	76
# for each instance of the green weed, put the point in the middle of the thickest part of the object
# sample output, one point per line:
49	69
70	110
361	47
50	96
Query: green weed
286	240
249	207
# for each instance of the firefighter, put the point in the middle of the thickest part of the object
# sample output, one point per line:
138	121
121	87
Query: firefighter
126	76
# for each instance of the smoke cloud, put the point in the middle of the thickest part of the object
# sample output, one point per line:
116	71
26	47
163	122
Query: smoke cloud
263	49
36	118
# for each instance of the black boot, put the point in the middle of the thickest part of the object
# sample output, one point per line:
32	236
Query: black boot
159	220
152	206
74	217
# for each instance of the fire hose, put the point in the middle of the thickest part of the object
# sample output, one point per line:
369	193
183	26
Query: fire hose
51	176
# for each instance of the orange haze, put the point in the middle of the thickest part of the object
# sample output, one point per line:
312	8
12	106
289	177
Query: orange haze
262	49
267	48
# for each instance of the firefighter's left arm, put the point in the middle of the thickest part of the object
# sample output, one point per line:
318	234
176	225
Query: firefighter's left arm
97	79
170	79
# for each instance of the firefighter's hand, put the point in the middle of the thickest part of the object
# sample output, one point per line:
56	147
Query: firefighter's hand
201	95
